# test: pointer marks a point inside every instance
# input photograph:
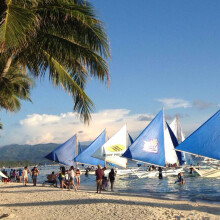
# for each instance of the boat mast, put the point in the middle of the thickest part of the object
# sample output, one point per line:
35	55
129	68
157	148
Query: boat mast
164	136
101	146
77	148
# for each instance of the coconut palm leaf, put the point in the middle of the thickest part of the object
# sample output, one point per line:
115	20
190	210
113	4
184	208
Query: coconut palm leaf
67	42
17	23
15	86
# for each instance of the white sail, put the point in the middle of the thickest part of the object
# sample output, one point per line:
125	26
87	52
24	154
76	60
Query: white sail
170	153
3	175
177	130
112	150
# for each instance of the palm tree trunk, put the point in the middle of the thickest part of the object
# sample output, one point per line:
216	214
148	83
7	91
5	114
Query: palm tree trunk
7	66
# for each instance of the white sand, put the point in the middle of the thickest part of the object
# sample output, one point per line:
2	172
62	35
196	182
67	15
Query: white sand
52	203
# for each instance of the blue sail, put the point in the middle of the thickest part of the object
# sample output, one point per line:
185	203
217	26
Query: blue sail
149	145
86	155
65	153
205	141
80	148
180	155
130	138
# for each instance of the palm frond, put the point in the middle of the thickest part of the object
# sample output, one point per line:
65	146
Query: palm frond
60	77
17	24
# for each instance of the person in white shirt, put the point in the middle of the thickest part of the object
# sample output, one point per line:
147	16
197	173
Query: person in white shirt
25	175
71	177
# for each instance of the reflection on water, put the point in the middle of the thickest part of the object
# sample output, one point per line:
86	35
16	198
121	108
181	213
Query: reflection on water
194	189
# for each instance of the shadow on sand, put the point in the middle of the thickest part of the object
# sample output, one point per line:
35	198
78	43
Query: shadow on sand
119	200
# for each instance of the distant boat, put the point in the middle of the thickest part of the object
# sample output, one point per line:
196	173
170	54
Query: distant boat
85	157
154	145
65	153
205	142
112	150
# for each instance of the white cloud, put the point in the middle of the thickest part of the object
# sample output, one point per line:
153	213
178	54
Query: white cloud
171	103
36	128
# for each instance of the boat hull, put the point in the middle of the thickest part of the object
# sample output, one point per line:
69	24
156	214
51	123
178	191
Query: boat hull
209	173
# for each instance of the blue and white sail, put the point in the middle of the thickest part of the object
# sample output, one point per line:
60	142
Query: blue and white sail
86	155
205	141
177	130
154	144
65	153
178	133
112	150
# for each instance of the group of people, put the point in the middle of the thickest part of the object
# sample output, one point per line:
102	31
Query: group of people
18	175
102	180
66	178
13	176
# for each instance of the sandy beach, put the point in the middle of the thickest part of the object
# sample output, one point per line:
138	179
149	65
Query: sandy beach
19	202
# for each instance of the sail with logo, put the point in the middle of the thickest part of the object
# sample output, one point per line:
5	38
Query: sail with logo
85	156
154	145
112	150
205	141
65	153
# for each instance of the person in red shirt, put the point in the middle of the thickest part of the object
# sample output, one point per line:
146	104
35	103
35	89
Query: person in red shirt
99	173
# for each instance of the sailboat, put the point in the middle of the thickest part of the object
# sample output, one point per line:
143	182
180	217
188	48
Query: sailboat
85	157
65	153
205	142
154	145
112	150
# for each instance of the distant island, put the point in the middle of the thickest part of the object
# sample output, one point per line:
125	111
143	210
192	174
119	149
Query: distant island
20	155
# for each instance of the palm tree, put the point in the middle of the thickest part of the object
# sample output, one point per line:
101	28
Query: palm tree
14	86
61	38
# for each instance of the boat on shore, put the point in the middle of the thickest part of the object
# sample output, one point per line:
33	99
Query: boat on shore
155	173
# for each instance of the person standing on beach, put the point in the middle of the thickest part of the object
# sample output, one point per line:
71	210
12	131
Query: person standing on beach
25	176
71	177
35	173
20	175
62	174
77	176
99	173
111	177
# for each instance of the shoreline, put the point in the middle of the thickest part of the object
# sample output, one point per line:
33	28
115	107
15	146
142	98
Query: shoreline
30	202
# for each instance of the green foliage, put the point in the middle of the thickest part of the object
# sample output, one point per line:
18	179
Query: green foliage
15	163
62	36
14	86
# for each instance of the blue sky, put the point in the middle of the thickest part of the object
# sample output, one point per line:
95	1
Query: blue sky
164	53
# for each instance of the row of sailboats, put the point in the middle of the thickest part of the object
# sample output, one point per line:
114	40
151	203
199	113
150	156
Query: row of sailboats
158	144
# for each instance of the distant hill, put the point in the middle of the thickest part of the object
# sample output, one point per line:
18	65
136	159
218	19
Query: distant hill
31	153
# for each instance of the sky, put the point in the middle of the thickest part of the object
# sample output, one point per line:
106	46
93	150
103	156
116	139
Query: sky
163	54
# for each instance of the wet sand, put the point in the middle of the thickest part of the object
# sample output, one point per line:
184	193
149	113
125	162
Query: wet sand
19	202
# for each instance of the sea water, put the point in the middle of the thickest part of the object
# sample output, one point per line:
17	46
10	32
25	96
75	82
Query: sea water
195	188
